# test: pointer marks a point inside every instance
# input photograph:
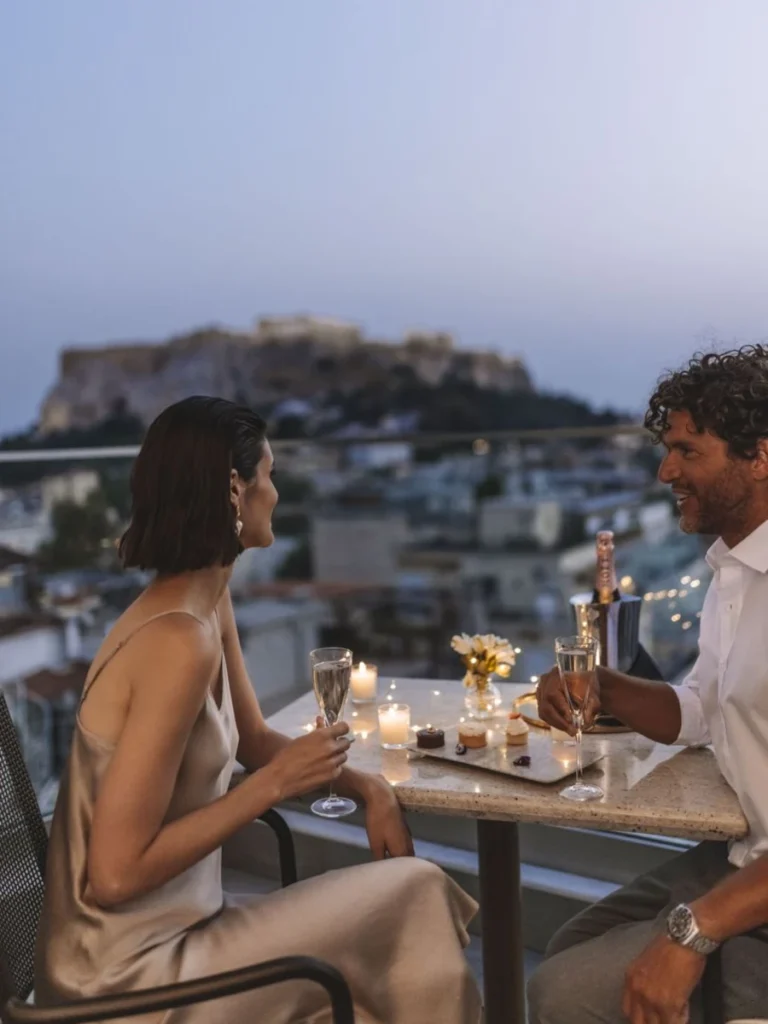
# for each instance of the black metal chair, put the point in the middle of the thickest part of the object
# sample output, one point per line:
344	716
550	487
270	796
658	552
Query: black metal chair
23	844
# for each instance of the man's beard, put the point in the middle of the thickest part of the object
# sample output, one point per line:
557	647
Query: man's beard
723	508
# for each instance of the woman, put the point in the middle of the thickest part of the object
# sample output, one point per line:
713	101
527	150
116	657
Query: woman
133	895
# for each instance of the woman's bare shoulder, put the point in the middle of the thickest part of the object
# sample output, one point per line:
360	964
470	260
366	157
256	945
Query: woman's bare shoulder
168	658
174	640
136	632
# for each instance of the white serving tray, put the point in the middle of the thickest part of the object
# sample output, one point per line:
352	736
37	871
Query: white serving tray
550	762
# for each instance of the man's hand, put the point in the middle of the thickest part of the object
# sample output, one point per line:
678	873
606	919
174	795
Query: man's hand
388	833
659	983
554	708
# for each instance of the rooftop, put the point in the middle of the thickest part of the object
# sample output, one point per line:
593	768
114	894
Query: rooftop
52	683
10	558
28	622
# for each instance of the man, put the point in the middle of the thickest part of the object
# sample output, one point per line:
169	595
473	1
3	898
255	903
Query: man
640	954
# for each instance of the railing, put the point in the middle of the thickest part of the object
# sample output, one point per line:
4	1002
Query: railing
436	439
456	567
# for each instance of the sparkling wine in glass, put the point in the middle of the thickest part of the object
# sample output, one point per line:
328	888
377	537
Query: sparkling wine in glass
577	663
331	674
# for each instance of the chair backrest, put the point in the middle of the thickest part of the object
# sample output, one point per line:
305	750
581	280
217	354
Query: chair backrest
23	843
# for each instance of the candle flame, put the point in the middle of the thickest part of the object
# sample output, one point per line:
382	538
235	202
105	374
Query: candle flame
361	666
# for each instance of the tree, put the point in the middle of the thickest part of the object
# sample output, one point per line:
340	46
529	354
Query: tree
288	428
491	487
293	489
115	481
297	564
81	533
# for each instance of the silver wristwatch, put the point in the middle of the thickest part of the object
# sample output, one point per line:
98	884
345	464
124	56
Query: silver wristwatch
683	929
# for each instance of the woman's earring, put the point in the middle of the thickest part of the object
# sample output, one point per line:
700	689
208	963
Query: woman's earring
238	523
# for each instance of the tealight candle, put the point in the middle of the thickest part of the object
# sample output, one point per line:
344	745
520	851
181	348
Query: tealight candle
394	726
362	683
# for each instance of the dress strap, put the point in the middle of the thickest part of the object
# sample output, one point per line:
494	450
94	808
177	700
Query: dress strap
137	629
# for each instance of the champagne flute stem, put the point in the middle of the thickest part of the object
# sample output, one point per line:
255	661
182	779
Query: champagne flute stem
331	793
578	721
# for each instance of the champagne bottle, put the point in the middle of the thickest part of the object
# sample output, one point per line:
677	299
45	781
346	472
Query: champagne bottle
609	616
604	596
606	588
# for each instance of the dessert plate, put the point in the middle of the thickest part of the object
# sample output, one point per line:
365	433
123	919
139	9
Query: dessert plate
549	762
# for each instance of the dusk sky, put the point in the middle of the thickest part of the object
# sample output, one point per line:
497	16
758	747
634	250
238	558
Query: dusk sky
582	182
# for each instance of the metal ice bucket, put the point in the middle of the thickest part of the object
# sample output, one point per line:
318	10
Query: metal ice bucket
615	626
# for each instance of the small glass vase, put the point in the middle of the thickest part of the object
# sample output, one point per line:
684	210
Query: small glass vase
482	699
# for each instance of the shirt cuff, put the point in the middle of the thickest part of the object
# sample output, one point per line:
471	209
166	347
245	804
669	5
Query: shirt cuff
693	726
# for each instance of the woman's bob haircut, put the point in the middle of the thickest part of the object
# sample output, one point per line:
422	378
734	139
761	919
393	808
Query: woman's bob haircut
183	518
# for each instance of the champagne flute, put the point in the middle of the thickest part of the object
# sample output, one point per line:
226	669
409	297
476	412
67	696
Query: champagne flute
331	674
577	663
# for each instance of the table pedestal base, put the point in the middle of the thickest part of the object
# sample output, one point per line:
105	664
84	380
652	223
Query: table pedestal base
498	847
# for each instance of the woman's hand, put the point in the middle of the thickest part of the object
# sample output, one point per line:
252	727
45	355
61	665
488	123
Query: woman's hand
309	762
388	833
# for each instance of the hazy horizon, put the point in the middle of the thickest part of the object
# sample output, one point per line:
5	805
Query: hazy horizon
579	184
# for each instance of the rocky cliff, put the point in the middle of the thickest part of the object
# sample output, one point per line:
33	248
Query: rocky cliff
296	357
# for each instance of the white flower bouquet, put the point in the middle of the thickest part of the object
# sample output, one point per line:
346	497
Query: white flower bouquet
483	656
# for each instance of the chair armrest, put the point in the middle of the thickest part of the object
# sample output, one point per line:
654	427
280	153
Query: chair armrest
186	993
285	846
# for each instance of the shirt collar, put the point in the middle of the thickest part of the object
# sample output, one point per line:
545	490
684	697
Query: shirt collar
752	551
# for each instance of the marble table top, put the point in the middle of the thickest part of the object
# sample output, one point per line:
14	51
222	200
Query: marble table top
649	787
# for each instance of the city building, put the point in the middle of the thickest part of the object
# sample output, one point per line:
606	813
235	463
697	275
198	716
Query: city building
25	512
276	636
358	545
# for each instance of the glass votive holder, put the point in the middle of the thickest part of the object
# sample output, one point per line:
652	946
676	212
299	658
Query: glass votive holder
362	683
394	726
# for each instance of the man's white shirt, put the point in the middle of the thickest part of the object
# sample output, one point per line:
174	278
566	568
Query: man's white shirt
724	699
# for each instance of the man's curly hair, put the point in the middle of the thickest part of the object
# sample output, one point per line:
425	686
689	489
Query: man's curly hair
725	393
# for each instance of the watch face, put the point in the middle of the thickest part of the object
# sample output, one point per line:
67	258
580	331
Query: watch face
679	923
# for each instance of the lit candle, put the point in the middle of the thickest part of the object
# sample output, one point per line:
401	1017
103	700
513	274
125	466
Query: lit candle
394	726
363	683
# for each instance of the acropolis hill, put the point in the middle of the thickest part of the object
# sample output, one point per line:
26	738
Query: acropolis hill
302	357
